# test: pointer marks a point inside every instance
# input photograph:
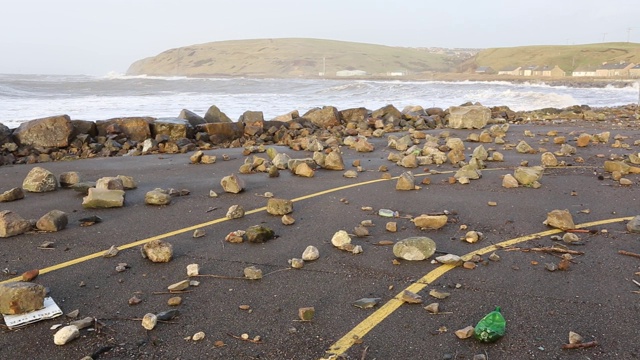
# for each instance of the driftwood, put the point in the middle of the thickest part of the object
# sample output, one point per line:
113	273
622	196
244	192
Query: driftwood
628	253
547	250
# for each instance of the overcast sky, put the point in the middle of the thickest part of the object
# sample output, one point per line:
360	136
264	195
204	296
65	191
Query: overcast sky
97	37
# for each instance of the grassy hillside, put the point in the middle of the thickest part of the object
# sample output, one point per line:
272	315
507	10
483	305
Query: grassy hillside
288	58
567	57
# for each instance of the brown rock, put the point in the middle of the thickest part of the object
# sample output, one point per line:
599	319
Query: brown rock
134	128
12	195
221	132
12	224
326	117
21	297
560	219
432	222
279	206
101	198
158	251
232	184
40	180
54	220
173	128
49	132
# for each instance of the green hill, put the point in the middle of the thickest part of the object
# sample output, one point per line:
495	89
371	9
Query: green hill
289	58
567	57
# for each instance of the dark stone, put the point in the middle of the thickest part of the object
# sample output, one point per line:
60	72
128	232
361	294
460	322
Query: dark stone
259	234
354	115
84	127
193	118
326	117
387	113
134	128
222	131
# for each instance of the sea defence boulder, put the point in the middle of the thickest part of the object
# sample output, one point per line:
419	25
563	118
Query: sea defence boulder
469	117
174	128
324	118
134	128
221	132
49	132
193	118
215	115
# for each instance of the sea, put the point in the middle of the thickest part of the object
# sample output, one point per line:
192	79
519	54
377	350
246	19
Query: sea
83	97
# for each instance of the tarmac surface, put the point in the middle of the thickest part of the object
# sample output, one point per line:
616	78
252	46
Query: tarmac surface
595	297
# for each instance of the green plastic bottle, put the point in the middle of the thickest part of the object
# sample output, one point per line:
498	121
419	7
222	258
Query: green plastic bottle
491	327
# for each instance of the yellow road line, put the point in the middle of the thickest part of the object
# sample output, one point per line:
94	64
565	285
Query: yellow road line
366	325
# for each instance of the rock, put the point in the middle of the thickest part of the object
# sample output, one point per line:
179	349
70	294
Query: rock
548	159
468	171
40	180
12	195
494	257
414	248
480	153
174	301
167	315
232	184
12	224
259	234
235	236
235	212
198	336
111	252
410	297
430	222
252	273
508	181
433	308
439	294
83	323
406	181
391	226
128	183
198	233
21	297
560	219
158	251
455	156
360	231
296	263
134	128
409	161
465	333
287	220
54	220
279	207
30	275
470	265
583	140
173	128
215	115
306	313
281	161
449	259
324	118
340	239
362	145
193	270
633	226
350	174
575	338
469	117
149	321
528	175
101	198
473	237
570	238
49	132
109	183
69	178
366	303
311	253
611	166
625	182
524	148
334	161
66	334
304	170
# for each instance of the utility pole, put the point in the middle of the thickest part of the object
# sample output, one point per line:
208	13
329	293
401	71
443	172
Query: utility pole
604	35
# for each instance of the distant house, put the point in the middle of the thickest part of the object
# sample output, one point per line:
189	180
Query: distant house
584	71
346	73
485	70
614	69
512	70
396	73
529	70
634	72
549	71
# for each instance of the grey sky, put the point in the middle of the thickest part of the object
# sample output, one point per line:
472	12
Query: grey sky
96	37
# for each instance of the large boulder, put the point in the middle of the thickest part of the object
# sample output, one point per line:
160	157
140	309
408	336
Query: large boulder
49	132
174	128
54	220
84	127
326	117
414	248
134	128
5	134
214	115
12	224
354	115
103	198
221	132
40	180
12	195
387	113
193	118
469	117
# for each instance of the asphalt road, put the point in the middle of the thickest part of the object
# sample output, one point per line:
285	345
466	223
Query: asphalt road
595	297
